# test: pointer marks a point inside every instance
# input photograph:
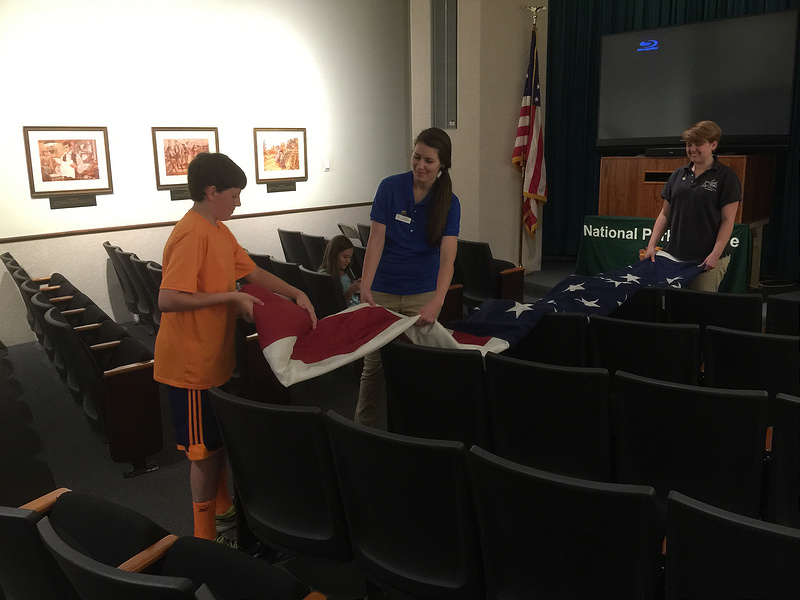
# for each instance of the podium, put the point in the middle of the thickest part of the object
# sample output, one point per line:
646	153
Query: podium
631	186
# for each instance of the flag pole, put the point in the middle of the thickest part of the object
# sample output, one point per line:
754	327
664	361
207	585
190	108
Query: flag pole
521	160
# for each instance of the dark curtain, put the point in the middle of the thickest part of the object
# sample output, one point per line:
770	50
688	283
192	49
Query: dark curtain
573	163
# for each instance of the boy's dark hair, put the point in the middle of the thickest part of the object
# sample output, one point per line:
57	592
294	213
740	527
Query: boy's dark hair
213	168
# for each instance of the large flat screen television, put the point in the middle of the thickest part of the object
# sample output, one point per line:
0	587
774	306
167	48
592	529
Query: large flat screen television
738	72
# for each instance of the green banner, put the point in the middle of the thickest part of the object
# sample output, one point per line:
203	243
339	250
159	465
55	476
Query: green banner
613	243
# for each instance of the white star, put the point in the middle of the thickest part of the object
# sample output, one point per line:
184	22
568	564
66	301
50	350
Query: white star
590	302
519	308
615	282
575	288
632	278
671	280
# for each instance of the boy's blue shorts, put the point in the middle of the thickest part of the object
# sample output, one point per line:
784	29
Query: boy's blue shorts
196	430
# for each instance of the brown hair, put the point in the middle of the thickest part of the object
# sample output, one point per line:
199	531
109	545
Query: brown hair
330	259
442	190
702	131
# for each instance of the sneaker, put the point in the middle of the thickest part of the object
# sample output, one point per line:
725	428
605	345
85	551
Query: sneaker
226	520
226	541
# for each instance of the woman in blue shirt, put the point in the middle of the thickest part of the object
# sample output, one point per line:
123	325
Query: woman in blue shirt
412	245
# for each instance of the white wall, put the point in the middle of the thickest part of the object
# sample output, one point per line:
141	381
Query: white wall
493	48
339	69
364	92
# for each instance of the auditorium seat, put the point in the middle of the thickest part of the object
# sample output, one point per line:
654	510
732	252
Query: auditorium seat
646	304
436	393
734	311
559	338
350	232
409	511
752	361
549	417
288	272
324	291
125	283
783	504
294	250
704	442
262	260
715	553
120	397
281	461
666	351
363	232
783	314
143	305
485	277
109	551
315	249
150	291
27	571
547	536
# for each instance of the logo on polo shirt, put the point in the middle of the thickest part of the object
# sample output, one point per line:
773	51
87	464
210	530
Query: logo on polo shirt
710	185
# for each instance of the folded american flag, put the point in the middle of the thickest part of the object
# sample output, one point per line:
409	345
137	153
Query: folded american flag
296	352
596	295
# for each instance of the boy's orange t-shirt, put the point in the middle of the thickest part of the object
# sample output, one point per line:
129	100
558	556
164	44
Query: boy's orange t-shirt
195	349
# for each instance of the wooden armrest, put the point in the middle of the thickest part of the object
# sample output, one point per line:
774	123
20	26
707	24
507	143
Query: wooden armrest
49	288
664	546
139	562
252	336
105	345
87	327
43	503
61	299
72	311
512	283
40	279
122	369
768	445
316	596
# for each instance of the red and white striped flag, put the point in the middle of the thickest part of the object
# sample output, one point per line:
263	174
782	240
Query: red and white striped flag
529	145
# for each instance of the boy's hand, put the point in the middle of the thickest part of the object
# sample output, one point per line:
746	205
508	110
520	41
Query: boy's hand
244	305
303	302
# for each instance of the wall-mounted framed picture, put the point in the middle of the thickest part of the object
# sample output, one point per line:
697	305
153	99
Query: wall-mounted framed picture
280	155
175	147
67	161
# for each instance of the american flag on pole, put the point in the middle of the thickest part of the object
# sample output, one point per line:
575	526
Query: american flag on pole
529	145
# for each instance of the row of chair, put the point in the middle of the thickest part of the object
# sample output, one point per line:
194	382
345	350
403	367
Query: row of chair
429	519
70	546
585	422
733	311
140	281
668	351
107	371
302	248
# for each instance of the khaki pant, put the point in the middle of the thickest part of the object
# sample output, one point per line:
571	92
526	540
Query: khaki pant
372	393
709	281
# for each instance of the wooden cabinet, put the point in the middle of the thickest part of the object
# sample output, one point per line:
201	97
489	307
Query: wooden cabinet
630	186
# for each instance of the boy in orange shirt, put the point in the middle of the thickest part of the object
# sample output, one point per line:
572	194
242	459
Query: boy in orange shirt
199	303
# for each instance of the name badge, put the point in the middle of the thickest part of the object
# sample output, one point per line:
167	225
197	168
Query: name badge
405	219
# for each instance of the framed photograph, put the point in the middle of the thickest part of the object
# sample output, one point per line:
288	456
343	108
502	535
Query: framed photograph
280	155
67	161
175	147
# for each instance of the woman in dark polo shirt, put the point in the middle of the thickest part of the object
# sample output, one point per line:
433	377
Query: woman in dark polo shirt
700	203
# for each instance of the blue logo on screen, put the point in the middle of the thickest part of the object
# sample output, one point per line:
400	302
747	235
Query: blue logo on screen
647	45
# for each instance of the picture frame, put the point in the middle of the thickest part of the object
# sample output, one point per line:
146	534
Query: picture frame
175	147
67	161
281	154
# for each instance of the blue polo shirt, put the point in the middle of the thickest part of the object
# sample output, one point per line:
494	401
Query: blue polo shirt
408	264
